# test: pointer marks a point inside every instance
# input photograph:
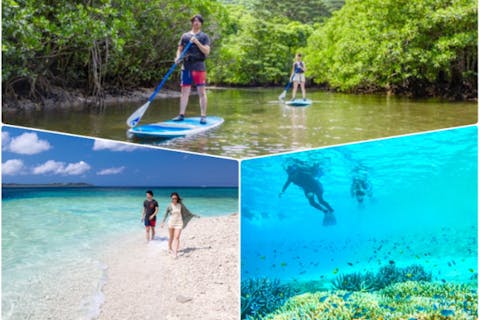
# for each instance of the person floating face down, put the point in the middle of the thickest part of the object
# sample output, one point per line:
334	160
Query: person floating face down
193	69
298	76
305	177
360	187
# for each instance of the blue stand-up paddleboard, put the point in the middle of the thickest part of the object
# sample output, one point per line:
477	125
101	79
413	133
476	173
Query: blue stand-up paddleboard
173	129
299	103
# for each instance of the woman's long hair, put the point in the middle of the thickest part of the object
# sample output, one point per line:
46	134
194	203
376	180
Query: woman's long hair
179	200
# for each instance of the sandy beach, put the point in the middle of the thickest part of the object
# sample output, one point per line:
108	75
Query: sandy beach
144	282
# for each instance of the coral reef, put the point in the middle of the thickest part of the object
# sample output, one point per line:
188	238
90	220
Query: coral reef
406	300
386	276
262	296
354	282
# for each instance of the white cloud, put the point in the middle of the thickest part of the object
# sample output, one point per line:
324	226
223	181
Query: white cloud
26	143
110	171
5	140
75	169
50	166
13	166
112	146
56	167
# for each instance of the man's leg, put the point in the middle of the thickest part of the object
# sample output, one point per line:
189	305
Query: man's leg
312	202
200	80
302	85
323	202
147	232
184	99
202	97
153	232
186	82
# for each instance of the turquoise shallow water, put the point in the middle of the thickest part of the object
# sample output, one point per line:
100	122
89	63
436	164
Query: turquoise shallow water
423	210
52	236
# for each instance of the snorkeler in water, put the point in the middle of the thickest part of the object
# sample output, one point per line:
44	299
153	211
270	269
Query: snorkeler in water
304	176
360	187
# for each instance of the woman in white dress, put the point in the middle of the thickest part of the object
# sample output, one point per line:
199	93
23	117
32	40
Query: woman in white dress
179	218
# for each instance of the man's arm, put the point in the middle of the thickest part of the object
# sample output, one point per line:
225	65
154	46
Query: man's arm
179	52
143	214
155	213
205	48
285	186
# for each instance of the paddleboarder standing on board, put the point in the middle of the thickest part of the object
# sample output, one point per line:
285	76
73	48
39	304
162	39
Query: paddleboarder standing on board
193	69
304	176
298	74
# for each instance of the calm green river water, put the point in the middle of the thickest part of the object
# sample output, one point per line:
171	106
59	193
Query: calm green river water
257	124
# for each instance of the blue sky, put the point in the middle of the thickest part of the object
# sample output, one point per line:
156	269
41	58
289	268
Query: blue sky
30	156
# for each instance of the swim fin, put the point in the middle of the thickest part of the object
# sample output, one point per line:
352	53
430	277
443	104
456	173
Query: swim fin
329	219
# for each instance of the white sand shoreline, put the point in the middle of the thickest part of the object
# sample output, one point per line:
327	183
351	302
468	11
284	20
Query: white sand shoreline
144	282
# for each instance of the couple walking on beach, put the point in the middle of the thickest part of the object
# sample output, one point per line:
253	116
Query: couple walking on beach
178	215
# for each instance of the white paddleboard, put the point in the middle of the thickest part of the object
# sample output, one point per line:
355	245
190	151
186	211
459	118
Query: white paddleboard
299	103
173	129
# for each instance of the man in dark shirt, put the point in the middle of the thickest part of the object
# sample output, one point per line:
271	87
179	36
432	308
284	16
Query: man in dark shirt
193	70
149	217
304	177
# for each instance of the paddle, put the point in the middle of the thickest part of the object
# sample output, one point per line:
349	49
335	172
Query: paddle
284	93
134	119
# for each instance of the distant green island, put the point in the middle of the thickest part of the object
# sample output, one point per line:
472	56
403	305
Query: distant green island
47	185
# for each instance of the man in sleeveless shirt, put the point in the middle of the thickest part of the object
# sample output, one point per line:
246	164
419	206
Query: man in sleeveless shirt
193	69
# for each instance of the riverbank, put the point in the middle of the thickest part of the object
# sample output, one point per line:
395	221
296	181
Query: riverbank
144	282
75	99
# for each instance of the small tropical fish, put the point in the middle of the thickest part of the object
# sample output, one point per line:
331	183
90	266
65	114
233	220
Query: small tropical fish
262	257
273	265
417	256
283	264
346	296
391	262
350	264
443	280
334	305
471	270
447	312
409	275
335	271
322	299
453	262
449	264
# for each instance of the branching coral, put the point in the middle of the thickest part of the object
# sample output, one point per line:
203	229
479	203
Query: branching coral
262	296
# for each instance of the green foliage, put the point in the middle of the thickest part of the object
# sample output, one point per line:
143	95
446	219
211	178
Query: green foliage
95	44
258	51
425	47
397	45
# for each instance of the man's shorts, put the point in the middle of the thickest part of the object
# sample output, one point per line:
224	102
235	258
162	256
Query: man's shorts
299	77
150	223
199	78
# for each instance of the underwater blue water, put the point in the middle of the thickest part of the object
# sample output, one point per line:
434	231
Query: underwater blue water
423	210
51	239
